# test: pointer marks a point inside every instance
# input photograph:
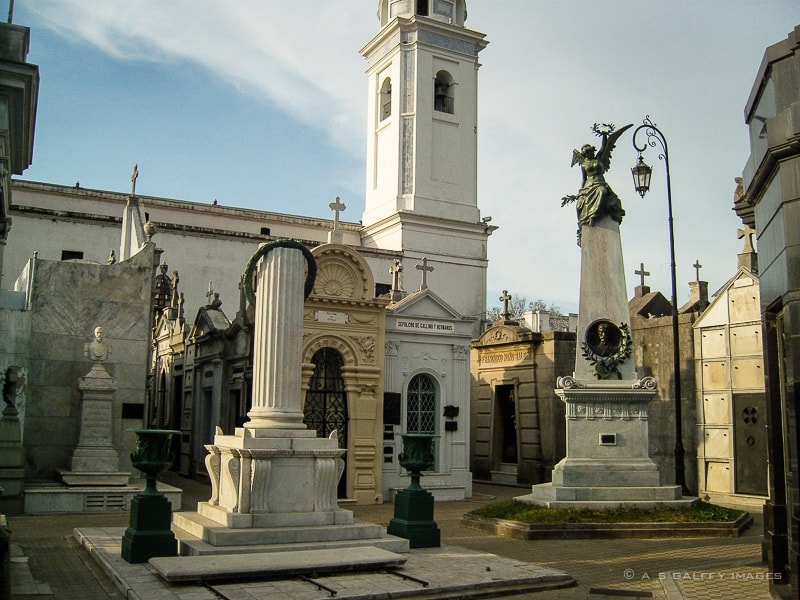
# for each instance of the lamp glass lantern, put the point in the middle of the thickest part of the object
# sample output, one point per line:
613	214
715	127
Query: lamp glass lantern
641	176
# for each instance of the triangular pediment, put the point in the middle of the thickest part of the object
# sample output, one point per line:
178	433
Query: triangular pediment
423	304
718	312
652	304
209	320
163	327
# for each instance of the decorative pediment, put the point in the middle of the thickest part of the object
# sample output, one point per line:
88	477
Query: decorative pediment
504	334
740	290
342	274
423	303
208	321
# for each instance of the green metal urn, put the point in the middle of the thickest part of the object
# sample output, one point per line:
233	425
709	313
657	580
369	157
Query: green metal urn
150	533
413	506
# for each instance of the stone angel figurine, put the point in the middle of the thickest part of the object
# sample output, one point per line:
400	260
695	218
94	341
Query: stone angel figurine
596	199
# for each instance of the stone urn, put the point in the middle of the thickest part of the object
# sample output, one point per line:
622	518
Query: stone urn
417	455
152	454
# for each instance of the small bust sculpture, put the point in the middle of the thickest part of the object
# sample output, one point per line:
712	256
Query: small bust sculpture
97	350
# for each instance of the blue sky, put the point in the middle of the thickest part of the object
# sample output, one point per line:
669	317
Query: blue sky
261	103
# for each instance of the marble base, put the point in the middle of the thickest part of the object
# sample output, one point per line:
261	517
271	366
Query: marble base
607	498
274	493
49	498
96	478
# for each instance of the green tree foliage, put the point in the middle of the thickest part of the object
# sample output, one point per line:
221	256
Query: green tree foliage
518	305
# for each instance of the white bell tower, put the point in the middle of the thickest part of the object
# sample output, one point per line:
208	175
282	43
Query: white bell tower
422	129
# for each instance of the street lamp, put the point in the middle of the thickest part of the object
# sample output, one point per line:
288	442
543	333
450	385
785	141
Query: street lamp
641	179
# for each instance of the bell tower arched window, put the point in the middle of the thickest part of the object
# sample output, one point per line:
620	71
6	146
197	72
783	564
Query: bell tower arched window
443	93
422	8
386	99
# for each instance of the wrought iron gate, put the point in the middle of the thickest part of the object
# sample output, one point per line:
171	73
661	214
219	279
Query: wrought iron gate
326	400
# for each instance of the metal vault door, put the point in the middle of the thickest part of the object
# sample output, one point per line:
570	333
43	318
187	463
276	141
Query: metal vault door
325	409
750	443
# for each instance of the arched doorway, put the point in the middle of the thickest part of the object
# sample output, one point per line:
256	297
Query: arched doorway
326	401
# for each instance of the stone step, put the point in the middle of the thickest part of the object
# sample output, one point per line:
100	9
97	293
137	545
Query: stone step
191	546
273	564
550	492
215	534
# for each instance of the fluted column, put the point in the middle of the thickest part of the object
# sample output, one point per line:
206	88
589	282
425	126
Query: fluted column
277	341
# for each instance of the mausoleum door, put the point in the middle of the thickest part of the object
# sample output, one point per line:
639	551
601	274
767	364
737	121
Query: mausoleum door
750	443
506	419
325	408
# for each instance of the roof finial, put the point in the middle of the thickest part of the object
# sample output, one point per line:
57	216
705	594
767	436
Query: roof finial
134	177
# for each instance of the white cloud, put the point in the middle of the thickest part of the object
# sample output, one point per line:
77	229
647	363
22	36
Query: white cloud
551	70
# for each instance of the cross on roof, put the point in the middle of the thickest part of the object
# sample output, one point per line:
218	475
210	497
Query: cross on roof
210	292
642	273
747	233
134	177
505	299
337	206
697	266
425	269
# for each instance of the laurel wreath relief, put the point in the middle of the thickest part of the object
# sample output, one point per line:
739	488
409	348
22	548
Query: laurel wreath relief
606	366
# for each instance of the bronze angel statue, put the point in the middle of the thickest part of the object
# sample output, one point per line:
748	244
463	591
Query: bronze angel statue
596	199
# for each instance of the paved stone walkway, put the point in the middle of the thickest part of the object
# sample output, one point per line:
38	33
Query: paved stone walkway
707	569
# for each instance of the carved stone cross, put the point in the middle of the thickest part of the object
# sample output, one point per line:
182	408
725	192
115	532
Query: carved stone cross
134	177
505	299
747	233
425	269
395	270
642	273
337	207
697	266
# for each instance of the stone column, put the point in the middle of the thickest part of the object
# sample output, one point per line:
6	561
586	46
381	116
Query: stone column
278	340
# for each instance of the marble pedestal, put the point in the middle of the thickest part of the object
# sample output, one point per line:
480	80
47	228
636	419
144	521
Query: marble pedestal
95	461
273	490
607	463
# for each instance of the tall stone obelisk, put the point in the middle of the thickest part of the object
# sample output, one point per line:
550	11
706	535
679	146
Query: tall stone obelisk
607	462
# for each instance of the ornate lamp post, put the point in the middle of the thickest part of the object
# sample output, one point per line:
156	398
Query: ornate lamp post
641	179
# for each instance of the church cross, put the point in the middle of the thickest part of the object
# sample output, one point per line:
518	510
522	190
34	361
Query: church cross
210	292
505	299
747	233
134	177
395	270
337	207
642	273
425	269
697	266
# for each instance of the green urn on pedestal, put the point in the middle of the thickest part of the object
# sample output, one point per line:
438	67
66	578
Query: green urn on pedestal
150	533
413	506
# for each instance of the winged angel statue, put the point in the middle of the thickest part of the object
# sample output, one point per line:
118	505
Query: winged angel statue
596	199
